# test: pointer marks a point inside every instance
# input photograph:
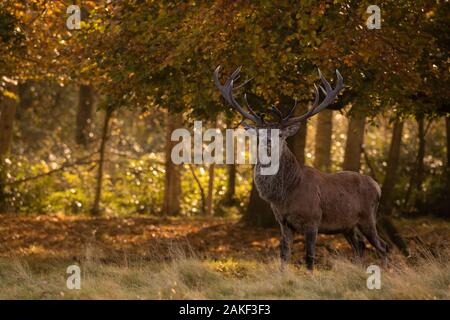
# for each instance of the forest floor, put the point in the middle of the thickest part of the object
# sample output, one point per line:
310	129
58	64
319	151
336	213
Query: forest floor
159	258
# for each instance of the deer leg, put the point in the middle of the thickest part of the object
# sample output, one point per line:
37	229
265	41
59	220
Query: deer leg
287	238
371	234
356	240
310	243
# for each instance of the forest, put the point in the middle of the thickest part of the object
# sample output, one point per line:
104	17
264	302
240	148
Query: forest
91	92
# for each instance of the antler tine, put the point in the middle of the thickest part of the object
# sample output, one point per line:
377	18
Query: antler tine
277	112
244	83
313	107
330	95
317	96
291	111
226	91
235	75
248	106
323	90
242	122
324	81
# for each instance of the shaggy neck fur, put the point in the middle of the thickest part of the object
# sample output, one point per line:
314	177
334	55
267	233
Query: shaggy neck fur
277	188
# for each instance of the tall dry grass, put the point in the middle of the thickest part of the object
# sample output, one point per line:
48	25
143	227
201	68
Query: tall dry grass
187	277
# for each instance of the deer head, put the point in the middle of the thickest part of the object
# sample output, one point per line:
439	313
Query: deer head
287	125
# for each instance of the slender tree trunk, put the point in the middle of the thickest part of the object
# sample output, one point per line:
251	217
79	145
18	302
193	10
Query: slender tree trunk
8	107
353	146
229	199
324	130
421	157
416	181
84	114
297	142
387	227
230	194
200	187
7	116
391	171
98	190
210	198
259	212
172	182
26	99
447	126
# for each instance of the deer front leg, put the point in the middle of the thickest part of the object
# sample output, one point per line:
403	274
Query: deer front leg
287	238
310	244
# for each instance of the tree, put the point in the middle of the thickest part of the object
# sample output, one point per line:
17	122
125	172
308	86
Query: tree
172	182
230	194
8	113
258	212
324	130
182	43
390	178
417	175
210	197
84	114
355	140
387	190
447	126
96	209
8	104
297	143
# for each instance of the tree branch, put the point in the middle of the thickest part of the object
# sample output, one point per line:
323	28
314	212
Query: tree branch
79	162
202	191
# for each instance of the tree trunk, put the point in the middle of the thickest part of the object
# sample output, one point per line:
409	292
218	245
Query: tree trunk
391	171
353	146
7	116
258	211
26	99
447	126
210	197
415	184
230	195
324	130
297	142
172	182
8	107
421	157
200	188
98	190
387	227
84	114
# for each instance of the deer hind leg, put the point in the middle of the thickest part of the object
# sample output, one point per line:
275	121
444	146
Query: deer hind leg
287	238
310	243
370	232
356	240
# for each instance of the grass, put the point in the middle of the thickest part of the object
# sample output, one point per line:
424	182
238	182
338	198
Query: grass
185	276
149	258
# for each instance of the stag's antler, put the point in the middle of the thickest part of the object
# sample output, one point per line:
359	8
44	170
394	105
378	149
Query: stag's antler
330	94
227	93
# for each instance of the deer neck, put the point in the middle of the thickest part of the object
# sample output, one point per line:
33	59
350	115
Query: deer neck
278	187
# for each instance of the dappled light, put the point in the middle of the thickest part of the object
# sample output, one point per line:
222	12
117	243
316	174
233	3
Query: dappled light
224	149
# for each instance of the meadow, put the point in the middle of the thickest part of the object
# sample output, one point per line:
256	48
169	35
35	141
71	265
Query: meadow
145	258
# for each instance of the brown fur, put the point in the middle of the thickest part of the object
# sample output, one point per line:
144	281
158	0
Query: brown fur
309	201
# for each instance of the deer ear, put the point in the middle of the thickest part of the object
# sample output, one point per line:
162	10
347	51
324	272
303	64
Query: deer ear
291	130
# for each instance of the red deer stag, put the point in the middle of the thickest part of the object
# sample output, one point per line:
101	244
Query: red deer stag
304	199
